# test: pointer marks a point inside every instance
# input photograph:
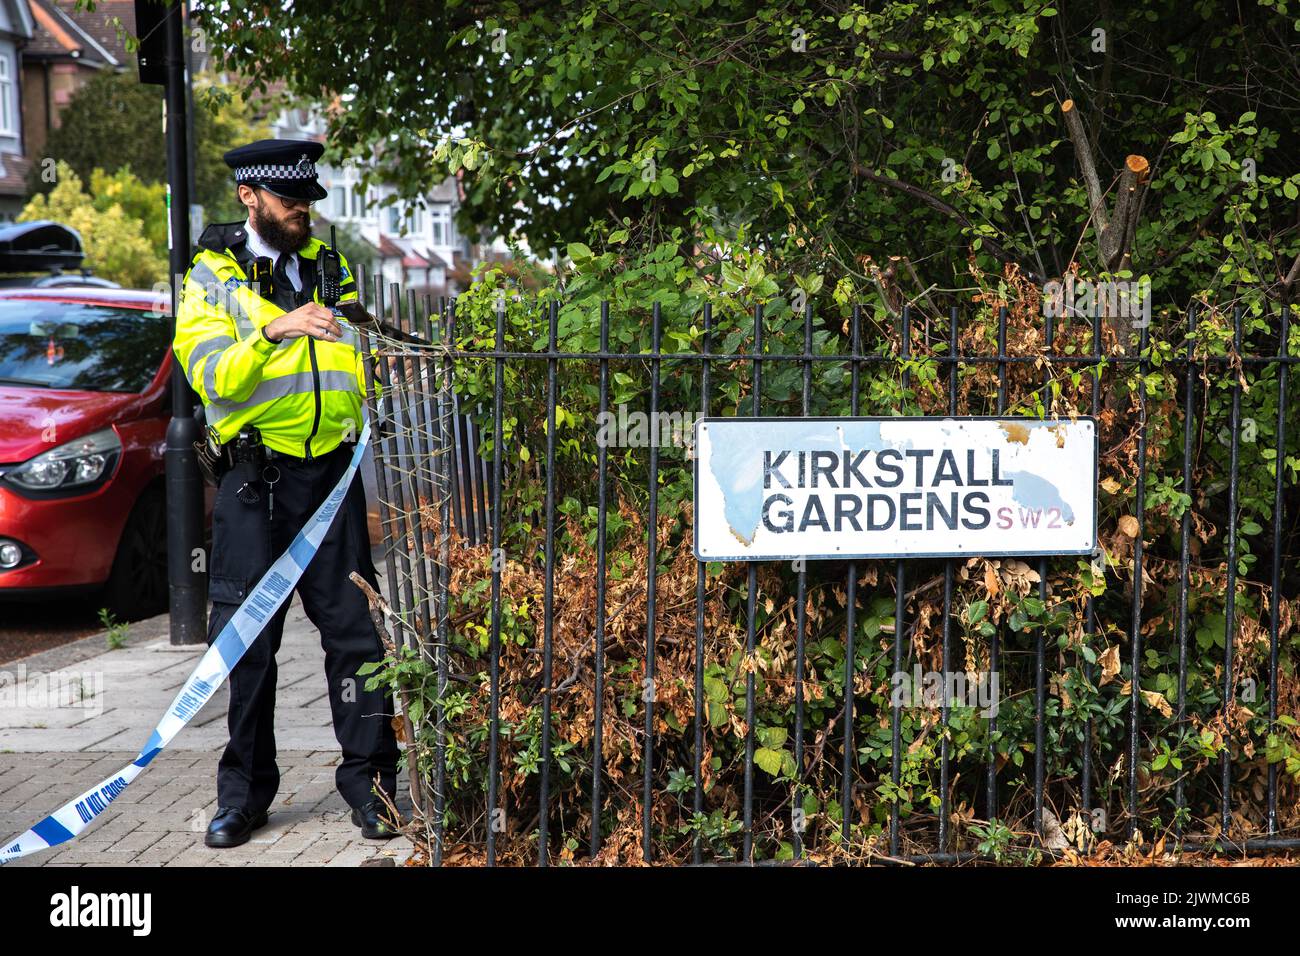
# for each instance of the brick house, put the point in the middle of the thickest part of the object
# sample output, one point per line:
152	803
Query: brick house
67	48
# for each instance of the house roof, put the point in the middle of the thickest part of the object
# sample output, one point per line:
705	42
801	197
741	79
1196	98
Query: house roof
389	249
18	19
437	258
90	37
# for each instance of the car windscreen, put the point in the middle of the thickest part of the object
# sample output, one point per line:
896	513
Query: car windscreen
92	348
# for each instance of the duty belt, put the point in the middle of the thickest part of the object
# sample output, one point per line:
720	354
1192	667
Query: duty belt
273	455
245	448
216	459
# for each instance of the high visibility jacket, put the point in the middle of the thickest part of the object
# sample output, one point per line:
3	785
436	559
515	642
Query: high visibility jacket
304	395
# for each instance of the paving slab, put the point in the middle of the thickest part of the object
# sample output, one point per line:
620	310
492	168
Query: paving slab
53	748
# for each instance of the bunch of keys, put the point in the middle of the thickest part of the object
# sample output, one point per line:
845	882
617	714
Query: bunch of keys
267	473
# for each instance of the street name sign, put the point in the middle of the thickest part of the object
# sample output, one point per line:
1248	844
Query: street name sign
776	489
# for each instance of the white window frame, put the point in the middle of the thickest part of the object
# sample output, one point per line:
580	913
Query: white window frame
7	90
440	225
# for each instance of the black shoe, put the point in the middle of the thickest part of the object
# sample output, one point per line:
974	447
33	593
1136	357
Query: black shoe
232	826
372	827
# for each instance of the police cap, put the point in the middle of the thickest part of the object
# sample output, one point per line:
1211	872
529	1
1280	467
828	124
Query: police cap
286	167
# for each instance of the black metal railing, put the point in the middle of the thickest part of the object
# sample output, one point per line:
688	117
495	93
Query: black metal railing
443	497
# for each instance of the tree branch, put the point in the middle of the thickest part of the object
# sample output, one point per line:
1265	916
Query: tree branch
1115	232
937	204
1083	150
1117	237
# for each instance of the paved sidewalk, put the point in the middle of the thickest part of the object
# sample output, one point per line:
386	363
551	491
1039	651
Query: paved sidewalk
50	754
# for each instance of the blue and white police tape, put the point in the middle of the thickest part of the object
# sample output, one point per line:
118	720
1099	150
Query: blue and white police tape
234	640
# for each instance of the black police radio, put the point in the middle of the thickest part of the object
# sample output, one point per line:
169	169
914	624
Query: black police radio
329	273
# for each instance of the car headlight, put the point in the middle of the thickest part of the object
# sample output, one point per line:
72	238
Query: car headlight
74	465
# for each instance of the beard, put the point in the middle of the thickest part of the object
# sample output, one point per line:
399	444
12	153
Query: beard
283	235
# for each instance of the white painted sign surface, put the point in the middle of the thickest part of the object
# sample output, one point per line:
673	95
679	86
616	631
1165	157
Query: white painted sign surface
786	488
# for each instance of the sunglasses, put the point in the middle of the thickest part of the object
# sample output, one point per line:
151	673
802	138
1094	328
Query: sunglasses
289	203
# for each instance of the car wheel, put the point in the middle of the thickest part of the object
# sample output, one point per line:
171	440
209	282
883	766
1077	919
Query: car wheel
138	584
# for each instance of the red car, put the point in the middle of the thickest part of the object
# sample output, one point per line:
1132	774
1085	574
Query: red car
85	399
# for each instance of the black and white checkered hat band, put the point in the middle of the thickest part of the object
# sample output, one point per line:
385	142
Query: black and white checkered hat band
282	171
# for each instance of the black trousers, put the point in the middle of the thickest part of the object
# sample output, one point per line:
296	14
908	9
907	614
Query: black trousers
247	536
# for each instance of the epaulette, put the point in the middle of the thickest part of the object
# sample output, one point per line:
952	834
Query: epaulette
220	236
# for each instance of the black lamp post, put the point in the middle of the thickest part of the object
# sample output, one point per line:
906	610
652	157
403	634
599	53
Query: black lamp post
162	61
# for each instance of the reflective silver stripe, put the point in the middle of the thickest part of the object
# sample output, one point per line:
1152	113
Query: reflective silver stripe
350	336
207	347
333	381
298	383
210	382
201	273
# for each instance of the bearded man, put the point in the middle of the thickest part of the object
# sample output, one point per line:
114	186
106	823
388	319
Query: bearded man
282	383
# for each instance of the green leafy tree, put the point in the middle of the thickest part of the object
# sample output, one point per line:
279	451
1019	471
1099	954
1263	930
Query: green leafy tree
837	135
115	246
144	203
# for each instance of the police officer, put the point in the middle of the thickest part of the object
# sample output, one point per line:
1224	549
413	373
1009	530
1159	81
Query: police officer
282	385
